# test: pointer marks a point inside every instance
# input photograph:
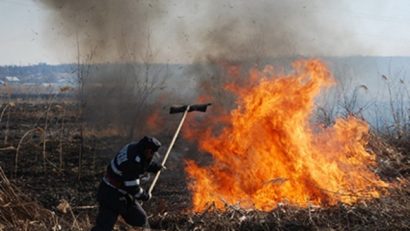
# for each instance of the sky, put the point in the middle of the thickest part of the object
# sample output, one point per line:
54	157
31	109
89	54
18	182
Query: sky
183	31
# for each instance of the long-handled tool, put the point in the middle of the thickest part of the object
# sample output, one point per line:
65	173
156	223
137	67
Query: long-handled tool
177	109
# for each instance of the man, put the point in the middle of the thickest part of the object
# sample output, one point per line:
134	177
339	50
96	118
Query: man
120	188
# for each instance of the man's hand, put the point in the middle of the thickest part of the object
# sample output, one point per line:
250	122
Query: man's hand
145	196
162	167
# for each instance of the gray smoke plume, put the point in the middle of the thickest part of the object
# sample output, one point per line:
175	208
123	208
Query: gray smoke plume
239	30
138	33
110	30
189	31
119	81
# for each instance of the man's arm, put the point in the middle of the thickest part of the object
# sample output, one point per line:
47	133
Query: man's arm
133	187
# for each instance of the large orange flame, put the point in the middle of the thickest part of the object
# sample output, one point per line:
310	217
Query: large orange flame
269	152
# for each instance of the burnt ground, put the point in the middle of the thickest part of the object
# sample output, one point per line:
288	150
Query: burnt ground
169	208
53	184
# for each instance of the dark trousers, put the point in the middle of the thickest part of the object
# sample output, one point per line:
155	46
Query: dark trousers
113	203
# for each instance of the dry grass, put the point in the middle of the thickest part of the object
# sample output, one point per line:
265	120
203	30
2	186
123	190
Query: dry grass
17	212
390	212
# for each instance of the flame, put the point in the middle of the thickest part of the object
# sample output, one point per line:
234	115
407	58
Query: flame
269	152
154	121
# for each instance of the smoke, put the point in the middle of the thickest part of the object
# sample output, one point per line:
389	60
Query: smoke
236	36
248	30
109	30
111	40
138	33
186	31
257	30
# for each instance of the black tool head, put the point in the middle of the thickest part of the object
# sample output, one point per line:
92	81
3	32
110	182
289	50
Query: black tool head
194	107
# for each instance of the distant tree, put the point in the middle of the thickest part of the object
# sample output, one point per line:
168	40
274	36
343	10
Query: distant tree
146	80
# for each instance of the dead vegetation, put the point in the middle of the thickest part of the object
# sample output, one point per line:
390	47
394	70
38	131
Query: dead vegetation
18	212
50	197
390	212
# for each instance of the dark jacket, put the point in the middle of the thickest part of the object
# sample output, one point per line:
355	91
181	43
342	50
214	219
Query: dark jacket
128	166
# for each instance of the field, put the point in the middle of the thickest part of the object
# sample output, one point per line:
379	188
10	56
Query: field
307	125
53	164
49	174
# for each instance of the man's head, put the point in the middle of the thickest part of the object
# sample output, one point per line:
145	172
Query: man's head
149	145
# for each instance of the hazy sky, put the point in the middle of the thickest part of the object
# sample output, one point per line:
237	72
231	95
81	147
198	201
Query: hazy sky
188	30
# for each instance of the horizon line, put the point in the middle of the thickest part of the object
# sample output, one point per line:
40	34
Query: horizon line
201	62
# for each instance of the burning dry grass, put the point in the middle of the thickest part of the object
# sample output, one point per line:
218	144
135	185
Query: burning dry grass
269	151
386	213
389	212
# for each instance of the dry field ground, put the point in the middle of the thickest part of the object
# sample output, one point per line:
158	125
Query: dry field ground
45	186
